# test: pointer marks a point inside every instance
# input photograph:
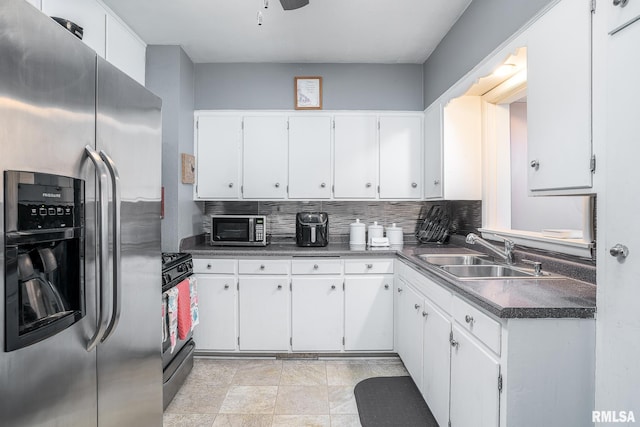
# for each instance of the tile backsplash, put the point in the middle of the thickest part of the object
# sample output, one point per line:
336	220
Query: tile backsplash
466	215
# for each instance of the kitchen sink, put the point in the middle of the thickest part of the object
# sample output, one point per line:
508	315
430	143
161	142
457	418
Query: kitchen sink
463	259
485	271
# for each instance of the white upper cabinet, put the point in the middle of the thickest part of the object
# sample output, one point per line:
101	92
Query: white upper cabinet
90	15
125	50
265	157
218	143
310	157
355	158
559	99
433	151
400	157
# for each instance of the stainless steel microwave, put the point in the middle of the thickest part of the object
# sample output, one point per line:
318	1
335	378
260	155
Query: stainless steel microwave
239	230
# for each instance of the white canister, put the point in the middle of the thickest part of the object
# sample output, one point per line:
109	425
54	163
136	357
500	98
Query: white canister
357	235
375	230
394	234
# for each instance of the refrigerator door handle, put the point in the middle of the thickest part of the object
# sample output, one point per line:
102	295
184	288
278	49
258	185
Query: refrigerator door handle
102	234
117	275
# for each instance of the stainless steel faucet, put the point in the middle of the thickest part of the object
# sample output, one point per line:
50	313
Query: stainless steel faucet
509	245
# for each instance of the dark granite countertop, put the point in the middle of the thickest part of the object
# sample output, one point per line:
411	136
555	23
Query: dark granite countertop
548	297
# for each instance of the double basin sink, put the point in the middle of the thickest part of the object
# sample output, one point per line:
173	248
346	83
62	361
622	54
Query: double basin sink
471	266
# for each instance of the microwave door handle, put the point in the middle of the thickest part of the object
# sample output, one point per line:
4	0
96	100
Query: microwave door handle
102	235
252	230
117	242
313	234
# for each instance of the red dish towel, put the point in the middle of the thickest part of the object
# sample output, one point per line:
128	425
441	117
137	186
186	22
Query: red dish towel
184	309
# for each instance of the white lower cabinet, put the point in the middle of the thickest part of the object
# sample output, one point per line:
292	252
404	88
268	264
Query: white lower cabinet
409	329
217	302
368	308
436	361
263	304
475	398
316	313
475	370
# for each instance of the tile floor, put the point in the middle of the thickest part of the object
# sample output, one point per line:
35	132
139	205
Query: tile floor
270	393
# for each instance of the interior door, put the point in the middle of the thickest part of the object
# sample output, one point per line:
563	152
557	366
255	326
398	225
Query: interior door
618	323
128	130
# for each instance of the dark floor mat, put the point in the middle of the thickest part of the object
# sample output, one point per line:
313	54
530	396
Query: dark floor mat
392	402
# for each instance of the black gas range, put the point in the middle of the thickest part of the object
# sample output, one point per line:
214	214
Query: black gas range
176	364
176	267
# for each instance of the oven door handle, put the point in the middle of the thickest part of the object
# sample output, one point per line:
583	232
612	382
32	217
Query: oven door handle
102	260
117	275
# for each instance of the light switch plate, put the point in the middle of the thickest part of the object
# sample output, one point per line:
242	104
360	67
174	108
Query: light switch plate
188	169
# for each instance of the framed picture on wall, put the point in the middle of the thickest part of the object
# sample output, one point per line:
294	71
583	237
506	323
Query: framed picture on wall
308	92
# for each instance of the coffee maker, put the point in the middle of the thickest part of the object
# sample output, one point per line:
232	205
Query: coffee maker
312	229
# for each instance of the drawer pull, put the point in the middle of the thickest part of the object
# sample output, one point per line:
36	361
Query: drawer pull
279	287
209	266
262	267
425	314
399	290
386	286
469	319
333	286
417	306
226	286
369	266
315	266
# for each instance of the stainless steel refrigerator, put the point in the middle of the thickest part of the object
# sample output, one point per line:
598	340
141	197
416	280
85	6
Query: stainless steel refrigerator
69	117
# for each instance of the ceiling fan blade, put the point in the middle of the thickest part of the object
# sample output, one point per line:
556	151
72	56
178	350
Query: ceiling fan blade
293	4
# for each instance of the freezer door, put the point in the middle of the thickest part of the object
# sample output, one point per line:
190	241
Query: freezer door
128	133
47	116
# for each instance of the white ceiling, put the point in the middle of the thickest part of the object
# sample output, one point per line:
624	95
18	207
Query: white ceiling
325	31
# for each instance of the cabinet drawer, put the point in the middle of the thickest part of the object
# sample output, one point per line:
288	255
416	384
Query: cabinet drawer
316	266
436	293
258	266
214	266
478	324
364	266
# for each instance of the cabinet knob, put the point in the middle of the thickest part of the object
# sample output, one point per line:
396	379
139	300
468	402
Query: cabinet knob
226	286
436	181
414	185
315	266
454	343
535	164
399	290
417	306
323	185
468	319
368	185
621	3
333	286
262	267
279	287
277	185
425	314
231	185
369	266
619	251
386	286
209	266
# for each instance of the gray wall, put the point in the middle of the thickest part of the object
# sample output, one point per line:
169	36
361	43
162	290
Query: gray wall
170	75
481	28
345	86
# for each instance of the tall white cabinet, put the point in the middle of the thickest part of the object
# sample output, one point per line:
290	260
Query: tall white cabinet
617	348
433	151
